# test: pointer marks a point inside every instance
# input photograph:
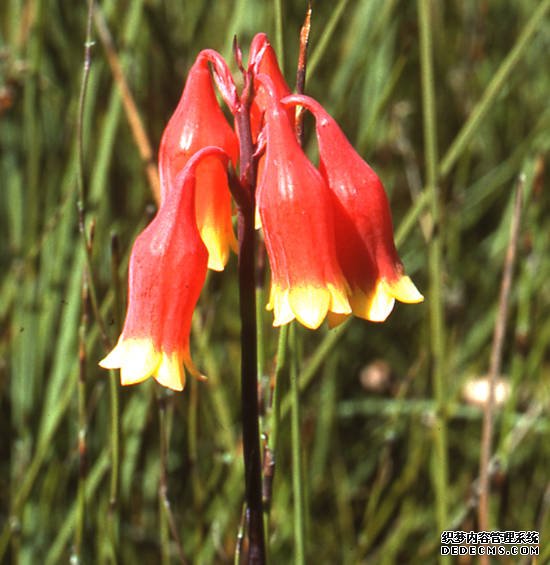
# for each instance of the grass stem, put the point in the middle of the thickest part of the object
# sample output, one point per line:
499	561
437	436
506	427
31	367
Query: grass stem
297	474
435	298
496	362
494	88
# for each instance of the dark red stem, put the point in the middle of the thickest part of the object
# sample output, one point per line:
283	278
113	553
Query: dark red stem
249	379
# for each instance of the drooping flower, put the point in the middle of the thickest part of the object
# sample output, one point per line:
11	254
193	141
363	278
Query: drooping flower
295	209
167	270
263	60
364	233
198	122
327	231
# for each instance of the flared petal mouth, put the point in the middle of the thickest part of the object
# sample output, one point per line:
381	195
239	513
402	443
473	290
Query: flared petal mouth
339	301
279	304
308	304
136	358
375	306
404	290
170	372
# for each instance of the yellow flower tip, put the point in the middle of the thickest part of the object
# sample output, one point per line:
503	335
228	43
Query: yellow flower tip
257	219
309	304
278	302
381	304
218	246
339	303
215	263
137	360
375	307
334	320
112	360
170	372
404	290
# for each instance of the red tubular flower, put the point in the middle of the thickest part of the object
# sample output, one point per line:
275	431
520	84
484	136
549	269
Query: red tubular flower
295	210
364	233
167	270
198	122
262	60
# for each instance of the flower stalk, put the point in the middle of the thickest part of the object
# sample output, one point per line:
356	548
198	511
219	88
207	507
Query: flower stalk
297	472
327	231
437	327
247	304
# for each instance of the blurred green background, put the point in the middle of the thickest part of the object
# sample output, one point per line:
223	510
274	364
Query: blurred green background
390	443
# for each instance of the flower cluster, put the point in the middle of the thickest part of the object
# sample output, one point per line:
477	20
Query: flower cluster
327	229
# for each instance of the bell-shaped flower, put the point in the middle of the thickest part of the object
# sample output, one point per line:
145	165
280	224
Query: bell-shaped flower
198	122
262	60
364	233
295	209
167	270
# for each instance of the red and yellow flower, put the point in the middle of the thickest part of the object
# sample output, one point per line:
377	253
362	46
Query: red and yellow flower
364	232
262	60
198	122
327	230
294	206
168	267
